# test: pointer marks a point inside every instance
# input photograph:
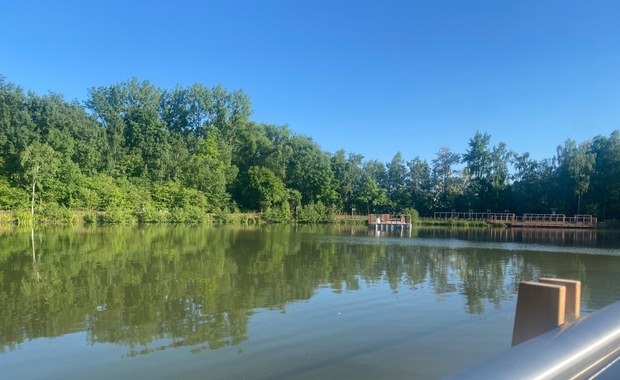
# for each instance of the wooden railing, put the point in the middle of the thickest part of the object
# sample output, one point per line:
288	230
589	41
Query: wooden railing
388	219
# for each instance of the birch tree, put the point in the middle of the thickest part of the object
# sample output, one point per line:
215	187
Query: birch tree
39	164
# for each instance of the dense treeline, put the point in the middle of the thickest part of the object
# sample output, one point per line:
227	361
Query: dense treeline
133	148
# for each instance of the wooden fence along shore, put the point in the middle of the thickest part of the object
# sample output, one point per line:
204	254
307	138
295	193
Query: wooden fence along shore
526	220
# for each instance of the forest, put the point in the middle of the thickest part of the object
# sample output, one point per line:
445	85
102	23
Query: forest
178	154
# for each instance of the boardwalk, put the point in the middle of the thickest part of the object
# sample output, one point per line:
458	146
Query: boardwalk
526	220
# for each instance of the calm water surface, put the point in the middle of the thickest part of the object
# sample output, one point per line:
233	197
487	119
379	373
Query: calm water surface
166	302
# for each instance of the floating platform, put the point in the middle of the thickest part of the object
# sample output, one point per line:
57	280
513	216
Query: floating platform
387	222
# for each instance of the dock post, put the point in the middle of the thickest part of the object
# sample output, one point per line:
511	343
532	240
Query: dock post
542	306
573	295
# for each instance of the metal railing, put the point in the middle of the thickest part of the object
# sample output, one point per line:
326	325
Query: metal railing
494	217
584	349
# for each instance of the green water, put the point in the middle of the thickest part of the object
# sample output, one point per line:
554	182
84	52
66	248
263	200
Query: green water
163	302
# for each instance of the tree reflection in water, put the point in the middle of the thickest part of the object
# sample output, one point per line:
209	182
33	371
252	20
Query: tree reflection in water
154	287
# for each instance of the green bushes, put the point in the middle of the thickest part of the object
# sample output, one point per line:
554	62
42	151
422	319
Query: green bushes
7	218
193	215
152	215
315	213
118	216
12	198
278	214
353	220
90	218
415	215
236	218
54	213
23	217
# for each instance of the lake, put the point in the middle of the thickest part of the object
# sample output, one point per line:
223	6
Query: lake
276	302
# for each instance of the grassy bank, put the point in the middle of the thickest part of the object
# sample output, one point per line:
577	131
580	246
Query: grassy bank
64	216
196	216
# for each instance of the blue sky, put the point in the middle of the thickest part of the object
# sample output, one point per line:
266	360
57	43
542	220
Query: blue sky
370	77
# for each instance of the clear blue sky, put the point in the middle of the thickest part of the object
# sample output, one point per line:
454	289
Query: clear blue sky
370	77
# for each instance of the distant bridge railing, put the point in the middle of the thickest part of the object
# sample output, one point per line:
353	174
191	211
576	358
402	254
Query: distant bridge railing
474	215
507	217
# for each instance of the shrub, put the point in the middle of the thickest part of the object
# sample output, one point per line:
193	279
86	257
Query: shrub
7	218
117	216
278	214
23	217
152	215
316	213
12	198
188	215
90	218
54	213
415	215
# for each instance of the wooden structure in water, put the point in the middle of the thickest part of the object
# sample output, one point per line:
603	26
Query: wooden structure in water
577	348
544	305
387	222
526	220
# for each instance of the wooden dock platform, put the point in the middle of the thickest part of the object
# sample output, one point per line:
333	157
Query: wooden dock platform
387	222
525	220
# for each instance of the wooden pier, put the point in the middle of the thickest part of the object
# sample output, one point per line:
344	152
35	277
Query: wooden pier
387	222
526	220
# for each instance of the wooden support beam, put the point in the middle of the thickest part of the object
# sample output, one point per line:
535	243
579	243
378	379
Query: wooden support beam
540	308
573	295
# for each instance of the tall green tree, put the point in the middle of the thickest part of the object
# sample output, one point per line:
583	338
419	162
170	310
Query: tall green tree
575	165
532	185
254	149
500	157
396	183
580	169
229	113
108	104
488	173
605	182
348	175
478	156
186	110
266	190
419	185
446	185
16	127
309	171
207	173
373	191
372	195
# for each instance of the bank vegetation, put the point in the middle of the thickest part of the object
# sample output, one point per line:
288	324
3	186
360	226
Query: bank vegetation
133	152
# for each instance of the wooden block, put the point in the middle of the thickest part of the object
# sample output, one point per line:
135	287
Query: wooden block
573	295
540	308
